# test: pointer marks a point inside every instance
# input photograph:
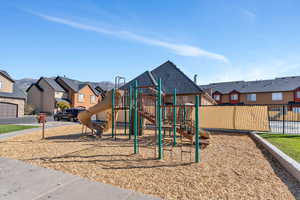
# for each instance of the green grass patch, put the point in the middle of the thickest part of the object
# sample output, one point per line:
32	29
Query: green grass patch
289	144
10	128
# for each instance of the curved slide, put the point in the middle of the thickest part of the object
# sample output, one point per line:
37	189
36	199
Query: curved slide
85	116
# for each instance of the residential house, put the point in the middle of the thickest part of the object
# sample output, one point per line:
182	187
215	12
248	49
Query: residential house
12	99
45	94
172	77
285	90
80	94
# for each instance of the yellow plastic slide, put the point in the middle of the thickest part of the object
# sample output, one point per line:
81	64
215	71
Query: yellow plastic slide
85	116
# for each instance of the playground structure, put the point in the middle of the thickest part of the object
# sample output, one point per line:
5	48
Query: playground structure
146	107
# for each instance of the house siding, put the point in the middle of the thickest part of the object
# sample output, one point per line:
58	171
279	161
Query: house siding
86	103
34	97
48	100
7	85
261	98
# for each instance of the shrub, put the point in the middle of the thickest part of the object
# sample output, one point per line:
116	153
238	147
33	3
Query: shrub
63	105
29	109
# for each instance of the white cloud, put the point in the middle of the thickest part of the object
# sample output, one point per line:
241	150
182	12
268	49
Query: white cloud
248	13
180	49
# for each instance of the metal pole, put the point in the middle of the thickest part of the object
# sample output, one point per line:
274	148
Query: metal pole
184	117
113	113
125	113
43	130
175	118
130	113
283	119
160	145
135	118
197	155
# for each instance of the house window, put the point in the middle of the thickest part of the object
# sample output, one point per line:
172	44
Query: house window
297	94
81	97
277	96
1	84
217	97
251	97
234	97
93	99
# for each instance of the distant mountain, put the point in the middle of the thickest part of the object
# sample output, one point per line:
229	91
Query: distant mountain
24	83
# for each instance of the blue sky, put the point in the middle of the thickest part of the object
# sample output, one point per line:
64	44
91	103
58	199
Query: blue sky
220	40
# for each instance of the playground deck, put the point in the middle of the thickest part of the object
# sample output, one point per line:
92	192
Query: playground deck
231	167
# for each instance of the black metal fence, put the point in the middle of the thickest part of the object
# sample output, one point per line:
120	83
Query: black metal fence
284	119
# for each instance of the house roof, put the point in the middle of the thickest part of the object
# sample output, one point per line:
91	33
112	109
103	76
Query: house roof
16	94
171	77
4	73
36	85
54	84
273	85
78	85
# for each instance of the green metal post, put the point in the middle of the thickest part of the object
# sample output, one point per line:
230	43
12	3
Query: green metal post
184	117
197	154
175	118
113	113
125	113
130	113
184	113
135	118
160	144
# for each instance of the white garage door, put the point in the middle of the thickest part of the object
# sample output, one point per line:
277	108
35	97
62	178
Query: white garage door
8	110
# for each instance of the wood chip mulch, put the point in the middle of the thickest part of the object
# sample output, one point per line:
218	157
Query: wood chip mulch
232	166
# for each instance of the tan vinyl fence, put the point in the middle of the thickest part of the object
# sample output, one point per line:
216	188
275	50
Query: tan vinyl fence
234	117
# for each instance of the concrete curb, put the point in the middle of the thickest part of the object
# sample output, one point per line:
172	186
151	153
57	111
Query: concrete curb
292	166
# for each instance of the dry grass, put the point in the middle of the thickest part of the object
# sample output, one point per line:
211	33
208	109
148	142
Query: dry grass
232	167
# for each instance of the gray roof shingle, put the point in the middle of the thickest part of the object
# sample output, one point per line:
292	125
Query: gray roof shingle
16	94
272	85
54	84
171	76
78	85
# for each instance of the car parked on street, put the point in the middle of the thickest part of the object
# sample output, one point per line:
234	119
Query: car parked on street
68	114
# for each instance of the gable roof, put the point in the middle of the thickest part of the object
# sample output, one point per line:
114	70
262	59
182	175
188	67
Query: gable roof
51	82
76	86
54	84
36	85
171	76
272	85
16	94
4	73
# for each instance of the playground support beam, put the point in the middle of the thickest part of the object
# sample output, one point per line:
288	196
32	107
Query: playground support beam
130	113
135	124
197	153
125	113
160	145
175	118
113	113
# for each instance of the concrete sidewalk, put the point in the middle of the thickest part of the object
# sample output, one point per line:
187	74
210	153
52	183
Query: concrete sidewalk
19	180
